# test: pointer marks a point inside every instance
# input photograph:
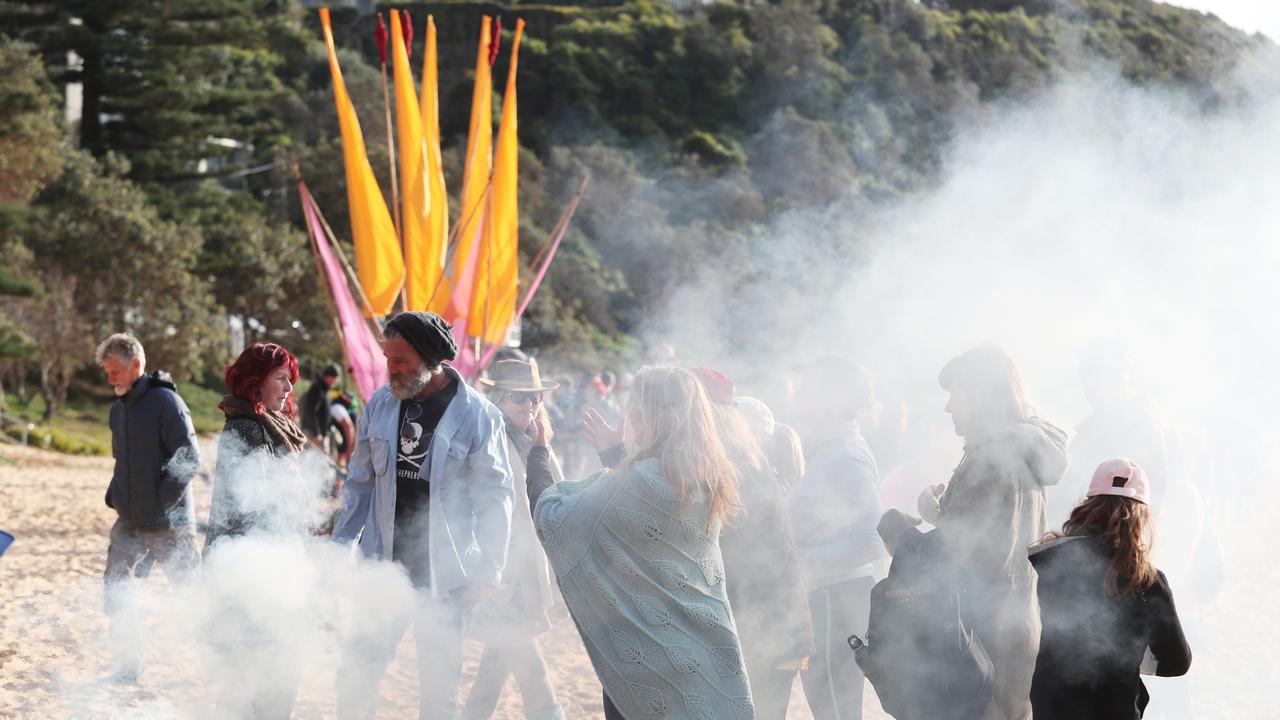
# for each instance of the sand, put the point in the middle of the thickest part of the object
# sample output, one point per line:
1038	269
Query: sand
52	630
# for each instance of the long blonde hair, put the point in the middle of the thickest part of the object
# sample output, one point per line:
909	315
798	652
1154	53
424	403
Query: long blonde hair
740	444
672	421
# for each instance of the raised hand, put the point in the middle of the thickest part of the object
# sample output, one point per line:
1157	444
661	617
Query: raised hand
598	431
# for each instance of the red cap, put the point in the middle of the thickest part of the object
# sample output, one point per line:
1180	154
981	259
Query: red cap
718	385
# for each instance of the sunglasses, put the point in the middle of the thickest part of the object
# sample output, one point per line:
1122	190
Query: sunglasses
520	398
413	413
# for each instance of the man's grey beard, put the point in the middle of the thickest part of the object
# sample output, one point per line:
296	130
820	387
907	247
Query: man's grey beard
406	387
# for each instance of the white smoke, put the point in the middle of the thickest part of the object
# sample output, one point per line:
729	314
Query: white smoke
1144	219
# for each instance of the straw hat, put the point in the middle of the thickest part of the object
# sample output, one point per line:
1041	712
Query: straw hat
517	376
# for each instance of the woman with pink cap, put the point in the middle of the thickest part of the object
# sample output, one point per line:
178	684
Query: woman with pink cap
1106	612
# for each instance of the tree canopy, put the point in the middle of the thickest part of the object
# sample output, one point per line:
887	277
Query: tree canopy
173	204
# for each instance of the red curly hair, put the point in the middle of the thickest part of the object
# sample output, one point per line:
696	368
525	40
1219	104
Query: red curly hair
245	376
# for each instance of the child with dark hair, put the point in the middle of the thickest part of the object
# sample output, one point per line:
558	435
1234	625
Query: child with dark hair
1107	613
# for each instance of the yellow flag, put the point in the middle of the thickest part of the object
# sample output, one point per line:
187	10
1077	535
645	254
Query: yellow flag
475	183
420	272
378	261
493	303
437	237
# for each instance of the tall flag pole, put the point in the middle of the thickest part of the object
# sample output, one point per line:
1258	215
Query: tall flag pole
380	38
436	244
475	187
379	262
416	201
493	302
538	270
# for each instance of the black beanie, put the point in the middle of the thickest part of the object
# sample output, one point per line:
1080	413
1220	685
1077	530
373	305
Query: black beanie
428	333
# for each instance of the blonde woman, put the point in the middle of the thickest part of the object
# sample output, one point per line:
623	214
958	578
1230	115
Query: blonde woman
636	553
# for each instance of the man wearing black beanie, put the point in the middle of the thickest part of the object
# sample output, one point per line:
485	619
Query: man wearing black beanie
430	488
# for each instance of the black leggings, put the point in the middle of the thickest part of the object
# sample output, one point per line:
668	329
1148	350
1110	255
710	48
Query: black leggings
611	712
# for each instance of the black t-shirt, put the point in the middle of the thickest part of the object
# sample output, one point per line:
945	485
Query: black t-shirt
418	421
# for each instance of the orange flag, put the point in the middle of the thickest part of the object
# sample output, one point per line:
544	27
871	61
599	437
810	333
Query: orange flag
437	237
475	184
379	264
415	201
493	303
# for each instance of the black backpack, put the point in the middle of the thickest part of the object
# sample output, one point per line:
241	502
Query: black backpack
922	660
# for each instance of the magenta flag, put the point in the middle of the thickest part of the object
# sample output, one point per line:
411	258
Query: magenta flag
364	352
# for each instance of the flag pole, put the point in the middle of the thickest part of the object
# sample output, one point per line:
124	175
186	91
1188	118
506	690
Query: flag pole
553	244
380	37
305	198
455	233
351	273
558	232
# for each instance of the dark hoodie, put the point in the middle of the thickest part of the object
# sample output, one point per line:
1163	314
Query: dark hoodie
994	506
154	445
1092	645
993	509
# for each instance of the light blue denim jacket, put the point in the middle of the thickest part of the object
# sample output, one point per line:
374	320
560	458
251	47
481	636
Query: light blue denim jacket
471	494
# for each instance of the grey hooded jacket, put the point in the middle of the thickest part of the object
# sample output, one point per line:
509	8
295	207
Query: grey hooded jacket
154	445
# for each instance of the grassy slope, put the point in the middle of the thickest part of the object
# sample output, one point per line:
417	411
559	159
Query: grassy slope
81	427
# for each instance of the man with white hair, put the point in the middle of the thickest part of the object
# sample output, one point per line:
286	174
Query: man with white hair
154	445
430	488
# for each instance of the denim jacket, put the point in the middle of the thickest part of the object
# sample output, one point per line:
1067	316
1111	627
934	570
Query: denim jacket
471	494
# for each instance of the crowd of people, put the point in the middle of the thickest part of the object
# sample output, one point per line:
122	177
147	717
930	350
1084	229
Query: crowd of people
708	552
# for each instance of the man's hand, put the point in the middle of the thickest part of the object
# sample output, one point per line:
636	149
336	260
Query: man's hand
893	525
542	430
598	431
928	504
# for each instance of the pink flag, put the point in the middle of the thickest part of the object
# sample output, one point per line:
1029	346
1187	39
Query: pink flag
465	363
364	352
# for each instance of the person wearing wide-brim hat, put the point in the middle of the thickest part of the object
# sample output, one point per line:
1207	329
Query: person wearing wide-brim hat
509	620
517	376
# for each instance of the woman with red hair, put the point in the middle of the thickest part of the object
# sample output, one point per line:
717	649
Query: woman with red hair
257	430
254	493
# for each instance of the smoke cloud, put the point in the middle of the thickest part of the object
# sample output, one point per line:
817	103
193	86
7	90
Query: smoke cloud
1097	214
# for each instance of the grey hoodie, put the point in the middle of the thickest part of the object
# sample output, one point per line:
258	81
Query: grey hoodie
154	445
994	507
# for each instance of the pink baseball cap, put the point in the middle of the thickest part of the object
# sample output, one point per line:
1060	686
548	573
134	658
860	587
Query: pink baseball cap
1123	477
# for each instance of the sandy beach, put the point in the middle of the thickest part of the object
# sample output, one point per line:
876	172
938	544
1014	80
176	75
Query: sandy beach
53	662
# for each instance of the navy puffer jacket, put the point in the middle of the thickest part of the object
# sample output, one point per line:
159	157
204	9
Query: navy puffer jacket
154	445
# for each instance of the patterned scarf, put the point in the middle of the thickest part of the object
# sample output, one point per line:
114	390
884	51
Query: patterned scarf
280	429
